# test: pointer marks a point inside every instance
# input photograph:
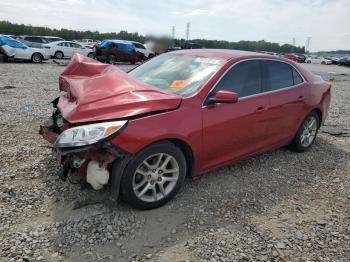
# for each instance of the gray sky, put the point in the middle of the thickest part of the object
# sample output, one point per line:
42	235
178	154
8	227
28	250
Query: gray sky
325	21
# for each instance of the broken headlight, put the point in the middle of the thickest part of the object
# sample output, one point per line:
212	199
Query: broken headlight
88	134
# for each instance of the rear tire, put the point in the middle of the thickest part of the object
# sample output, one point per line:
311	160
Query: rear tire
112	59
59	55
91	55
37	58
153	176
307	133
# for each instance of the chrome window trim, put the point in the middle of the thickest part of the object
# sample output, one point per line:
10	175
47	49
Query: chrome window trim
262	93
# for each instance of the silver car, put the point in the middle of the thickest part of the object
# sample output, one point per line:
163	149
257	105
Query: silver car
38	41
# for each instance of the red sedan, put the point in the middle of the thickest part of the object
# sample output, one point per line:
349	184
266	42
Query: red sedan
181	113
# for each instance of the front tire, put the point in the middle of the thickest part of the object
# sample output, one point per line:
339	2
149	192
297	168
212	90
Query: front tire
307	133
37	58
153	176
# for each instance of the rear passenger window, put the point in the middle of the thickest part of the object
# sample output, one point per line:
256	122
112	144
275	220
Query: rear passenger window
280	75
243	78
33	39
296	77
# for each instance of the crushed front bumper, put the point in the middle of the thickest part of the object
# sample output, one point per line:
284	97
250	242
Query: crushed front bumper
75	160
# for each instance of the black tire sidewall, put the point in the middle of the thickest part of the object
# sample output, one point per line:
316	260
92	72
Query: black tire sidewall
37	54
127	191
59	52
296	144
112	59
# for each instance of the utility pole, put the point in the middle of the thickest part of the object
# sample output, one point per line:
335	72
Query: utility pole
173	32
188	24
308	40
293	41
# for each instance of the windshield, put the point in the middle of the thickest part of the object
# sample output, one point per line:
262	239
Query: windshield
178	74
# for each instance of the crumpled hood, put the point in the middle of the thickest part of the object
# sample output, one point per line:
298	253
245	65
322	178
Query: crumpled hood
92	91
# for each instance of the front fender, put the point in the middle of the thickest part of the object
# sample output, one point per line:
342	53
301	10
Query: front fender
183	124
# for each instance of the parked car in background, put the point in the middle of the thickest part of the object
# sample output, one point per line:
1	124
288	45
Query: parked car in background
192	46
334	59
292	57
113	51
268	52
17	50
301	57
66	49
179	114
345	61
12	36
38	41
318	60
143	49
89	43
50	39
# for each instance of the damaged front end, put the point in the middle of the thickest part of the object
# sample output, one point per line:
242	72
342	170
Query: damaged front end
84	151
81	129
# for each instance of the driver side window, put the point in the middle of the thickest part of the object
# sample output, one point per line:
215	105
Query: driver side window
243	79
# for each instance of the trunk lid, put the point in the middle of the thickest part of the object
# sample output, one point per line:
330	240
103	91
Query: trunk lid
92	91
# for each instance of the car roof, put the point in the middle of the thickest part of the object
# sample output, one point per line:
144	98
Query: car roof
50	36
224	54
119	41
62	41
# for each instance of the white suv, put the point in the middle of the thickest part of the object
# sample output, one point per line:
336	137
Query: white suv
143	49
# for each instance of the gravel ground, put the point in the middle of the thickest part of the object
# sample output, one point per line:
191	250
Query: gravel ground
278	206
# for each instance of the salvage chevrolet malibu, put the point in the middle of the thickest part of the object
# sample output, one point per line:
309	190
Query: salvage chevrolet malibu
181	113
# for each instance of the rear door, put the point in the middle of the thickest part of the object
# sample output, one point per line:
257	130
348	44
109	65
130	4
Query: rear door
232	131
78	49
69	49
287	96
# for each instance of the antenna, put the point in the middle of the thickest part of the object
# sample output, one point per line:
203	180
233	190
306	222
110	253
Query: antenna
173	32
188	24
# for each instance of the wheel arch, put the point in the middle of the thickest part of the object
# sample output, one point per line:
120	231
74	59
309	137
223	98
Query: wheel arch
319	113
42	57
188	153
185	148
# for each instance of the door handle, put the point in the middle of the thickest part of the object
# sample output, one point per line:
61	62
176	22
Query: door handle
260	108
300	97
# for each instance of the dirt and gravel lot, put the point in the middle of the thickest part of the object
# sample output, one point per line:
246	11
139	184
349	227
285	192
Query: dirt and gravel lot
278	206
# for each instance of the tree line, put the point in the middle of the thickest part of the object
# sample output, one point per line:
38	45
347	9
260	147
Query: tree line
9	28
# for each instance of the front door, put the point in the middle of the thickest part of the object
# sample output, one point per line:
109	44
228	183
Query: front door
233	131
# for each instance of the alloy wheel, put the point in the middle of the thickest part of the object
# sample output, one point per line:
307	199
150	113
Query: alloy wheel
309	131
156	177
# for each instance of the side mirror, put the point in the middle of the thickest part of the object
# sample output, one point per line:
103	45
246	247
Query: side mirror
224	96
